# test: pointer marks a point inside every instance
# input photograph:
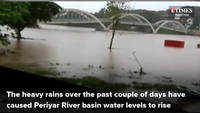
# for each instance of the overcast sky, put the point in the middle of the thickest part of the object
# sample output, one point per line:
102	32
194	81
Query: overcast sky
95	6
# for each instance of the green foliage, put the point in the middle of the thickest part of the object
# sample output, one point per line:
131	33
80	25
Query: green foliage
167	31
152	16
18	15
116	8
42	11
93	82
101	13
1	42
14	14
4	40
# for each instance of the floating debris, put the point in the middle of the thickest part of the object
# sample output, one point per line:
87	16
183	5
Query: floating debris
142	72
135	72
51	63
130	72
166	77
68	64
196	84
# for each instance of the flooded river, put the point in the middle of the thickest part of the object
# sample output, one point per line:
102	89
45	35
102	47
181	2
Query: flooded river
80	52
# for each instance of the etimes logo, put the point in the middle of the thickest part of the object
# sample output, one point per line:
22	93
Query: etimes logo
181	10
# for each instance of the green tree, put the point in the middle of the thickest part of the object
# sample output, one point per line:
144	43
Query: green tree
101	13
19	15
15	15
115	9
43	11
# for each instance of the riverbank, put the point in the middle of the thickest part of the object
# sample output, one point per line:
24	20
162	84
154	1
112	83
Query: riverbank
90	82
93	82
22	81
36	83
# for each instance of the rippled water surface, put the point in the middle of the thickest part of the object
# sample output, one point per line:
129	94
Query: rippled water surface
80	52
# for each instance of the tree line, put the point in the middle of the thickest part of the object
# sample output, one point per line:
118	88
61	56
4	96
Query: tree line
19	15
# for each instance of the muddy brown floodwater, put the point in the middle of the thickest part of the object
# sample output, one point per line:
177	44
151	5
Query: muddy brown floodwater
80	52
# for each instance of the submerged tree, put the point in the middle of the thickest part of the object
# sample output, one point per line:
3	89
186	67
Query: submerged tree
19	15
15	15
115	9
